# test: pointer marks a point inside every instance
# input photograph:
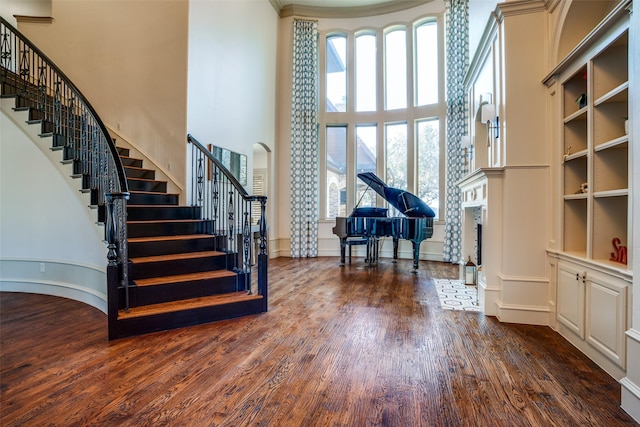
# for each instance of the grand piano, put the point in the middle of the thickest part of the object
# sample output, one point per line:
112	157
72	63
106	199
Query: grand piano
372	223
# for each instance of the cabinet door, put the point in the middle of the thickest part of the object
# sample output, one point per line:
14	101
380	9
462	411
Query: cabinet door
570	298
606	316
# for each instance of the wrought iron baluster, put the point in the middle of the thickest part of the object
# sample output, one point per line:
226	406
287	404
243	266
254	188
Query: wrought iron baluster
25	71
216	199
200	180
6	52
42	89
246	242
57	109
230	219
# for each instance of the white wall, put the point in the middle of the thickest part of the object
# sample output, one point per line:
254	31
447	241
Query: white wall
49	242
129	58
232	70
479	14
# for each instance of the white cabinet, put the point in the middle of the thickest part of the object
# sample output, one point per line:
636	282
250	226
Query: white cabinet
606	316
593	312
570	298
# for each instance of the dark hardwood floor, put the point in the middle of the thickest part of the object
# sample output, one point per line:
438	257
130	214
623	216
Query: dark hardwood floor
340	346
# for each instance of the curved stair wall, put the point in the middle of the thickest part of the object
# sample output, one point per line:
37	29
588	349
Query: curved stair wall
38	253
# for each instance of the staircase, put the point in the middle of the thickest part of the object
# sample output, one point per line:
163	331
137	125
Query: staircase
168	266
179	275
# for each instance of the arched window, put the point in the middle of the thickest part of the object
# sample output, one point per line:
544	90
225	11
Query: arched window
394	125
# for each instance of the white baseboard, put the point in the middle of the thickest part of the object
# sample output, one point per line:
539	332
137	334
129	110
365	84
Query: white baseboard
631	382
62	279
528	315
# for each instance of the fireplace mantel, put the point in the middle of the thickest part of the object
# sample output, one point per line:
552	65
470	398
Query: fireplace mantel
474	186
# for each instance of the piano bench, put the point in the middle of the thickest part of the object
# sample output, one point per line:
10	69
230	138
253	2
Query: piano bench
356	241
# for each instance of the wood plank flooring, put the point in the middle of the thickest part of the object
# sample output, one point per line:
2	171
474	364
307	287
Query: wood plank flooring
352	345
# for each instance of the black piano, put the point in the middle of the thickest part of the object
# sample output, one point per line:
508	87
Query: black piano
372	223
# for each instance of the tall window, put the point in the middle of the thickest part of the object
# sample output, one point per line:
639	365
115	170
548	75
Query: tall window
336	81
366	72
392	127
426	63
366	161
428	136
336	143
396	154
395	67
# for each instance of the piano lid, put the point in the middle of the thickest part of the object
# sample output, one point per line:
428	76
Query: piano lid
374	182
407	203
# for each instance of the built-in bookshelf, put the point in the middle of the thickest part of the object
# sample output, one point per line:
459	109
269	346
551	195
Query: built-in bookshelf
592	260
595	164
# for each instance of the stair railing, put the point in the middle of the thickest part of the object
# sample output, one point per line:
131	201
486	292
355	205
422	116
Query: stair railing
227	206
65	114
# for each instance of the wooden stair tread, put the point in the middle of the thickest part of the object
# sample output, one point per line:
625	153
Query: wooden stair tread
188	277
174	306
177	237
172	257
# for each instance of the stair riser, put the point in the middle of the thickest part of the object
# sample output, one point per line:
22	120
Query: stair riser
152	199
168	228
152	186
139	173
144	213
146	295
9	89
147	270
124	152
162	322
142	249
128	161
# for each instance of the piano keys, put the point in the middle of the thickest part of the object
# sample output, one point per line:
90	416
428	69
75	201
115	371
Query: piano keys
373	223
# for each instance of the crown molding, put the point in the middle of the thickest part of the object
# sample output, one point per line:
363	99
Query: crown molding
519	7
344	12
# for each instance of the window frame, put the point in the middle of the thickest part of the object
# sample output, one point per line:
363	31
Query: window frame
381	117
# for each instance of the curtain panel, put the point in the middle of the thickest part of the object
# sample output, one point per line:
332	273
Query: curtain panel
304	141
457	60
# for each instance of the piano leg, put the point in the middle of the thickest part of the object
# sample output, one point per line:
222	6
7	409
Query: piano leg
343	245
372	250
416	254
395	248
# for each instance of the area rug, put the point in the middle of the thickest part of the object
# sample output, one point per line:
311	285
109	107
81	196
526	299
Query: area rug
455	295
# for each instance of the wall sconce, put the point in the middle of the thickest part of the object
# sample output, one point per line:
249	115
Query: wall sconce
465	142
488	116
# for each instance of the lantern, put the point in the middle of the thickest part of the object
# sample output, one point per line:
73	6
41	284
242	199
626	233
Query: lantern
470	273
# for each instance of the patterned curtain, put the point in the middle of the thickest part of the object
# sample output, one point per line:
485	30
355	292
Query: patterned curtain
457	60
304	141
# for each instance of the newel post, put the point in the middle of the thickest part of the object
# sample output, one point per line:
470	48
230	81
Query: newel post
263	257
116	260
